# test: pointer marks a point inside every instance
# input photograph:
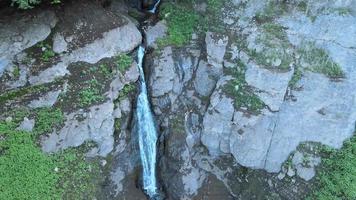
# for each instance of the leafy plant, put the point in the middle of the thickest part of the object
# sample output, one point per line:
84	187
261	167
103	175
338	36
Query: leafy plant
91	93
337	177
25	172
28	4
319	61
241	92
46	119
123	62
181	21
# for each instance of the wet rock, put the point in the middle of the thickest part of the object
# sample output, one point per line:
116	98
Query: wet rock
156	32
26	125
48	100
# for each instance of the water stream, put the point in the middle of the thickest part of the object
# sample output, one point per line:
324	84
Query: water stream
147	133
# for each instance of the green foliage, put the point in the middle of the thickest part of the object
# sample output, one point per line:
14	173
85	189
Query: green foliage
275	45
25	172
337	177
46	119
15	94
238	89
91	93
105	70
28	4
319	61
126	90
297	75
123	62
343	11
273	9
16	72
76	175
47	53
28	173
181	21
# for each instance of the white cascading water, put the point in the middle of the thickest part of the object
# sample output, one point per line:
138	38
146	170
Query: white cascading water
147	133
153	10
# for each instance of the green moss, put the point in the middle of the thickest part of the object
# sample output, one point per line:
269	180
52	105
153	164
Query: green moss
181	21
78	177
275	47
28	173
47	52
238	89
337	177
319	61
90	93
302	6
25	172
123	62
47	119
297	75
28	4
105	70
343	11
272	10
126	90
16	72
15	94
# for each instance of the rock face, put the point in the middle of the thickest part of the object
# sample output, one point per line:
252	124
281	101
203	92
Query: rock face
22	33
207	130
113	42
57	59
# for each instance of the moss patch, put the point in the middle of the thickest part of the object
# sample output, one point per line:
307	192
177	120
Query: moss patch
317	60
337	177
181	21
25	172
28	173
238	89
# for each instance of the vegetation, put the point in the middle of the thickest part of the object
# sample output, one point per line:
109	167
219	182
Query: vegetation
91	93
15	94
16	72
47	52
77	176
47	119
24	170
238	89
28	4
271	11
274	52
297	75
28	173
126	90
319	61
181	22
337	177
123	62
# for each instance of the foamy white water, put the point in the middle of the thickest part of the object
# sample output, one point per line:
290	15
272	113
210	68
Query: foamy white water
147	133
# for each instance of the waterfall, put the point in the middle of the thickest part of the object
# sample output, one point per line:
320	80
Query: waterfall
153	10
147	133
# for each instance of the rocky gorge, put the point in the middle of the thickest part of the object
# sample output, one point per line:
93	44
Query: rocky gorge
251	99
